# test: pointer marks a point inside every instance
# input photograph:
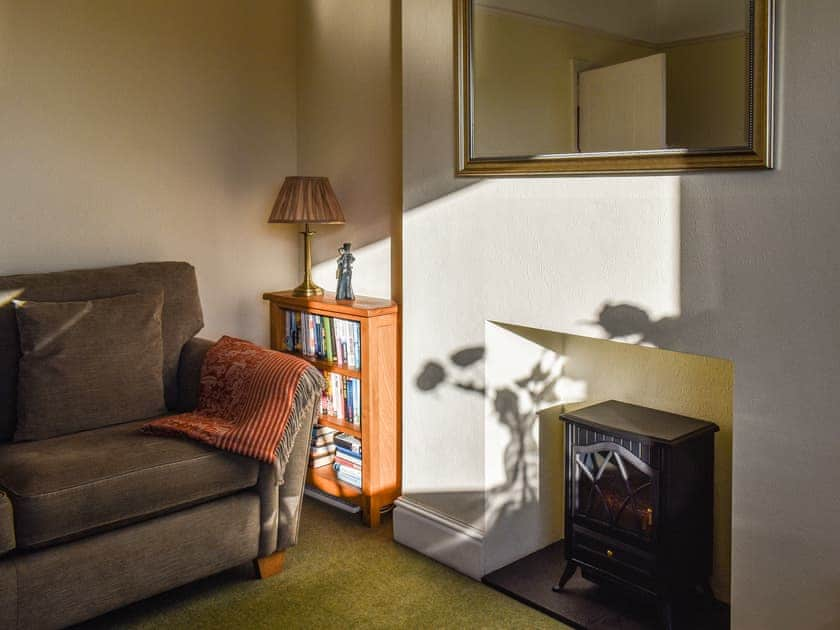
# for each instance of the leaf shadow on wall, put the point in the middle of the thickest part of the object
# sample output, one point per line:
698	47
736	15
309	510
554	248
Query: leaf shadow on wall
515	407
621	321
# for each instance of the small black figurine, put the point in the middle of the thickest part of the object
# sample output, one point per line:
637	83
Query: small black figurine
344	273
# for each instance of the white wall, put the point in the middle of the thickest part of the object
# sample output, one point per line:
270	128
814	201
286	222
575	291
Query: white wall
154	130
744	263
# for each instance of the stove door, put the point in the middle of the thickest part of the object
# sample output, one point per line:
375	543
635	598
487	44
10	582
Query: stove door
614	491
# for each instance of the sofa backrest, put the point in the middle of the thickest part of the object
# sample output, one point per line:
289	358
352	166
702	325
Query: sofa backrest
182	317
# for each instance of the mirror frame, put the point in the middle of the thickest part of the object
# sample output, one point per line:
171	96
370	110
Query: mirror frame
757	154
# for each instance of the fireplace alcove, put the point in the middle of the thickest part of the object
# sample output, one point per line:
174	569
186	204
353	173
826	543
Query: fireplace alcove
595	370
511	518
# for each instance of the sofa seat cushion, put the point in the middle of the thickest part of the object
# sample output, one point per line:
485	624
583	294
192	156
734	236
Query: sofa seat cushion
73	485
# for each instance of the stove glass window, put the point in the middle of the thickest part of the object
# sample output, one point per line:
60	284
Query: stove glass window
614	488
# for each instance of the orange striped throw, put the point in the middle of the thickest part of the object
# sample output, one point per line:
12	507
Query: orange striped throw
250	401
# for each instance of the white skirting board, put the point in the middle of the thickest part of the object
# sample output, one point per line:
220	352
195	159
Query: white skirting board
433	534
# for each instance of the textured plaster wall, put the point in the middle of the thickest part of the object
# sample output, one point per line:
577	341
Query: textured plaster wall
740	266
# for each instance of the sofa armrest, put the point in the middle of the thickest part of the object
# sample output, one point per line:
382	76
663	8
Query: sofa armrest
281	501
189	372
291	492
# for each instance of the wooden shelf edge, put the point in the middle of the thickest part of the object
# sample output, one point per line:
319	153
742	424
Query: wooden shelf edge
362	306
326	365
341	425
324	478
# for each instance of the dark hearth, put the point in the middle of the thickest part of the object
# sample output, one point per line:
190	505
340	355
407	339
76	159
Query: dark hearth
639	502
591	606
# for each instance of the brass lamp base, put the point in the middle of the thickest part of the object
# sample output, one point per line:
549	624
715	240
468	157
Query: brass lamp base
307	288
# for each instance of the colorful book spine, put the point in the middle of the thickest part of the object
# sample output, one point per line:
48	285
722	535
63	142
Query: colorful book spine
342	398
322	449
350	443
328	351
348	475
342	460
325	338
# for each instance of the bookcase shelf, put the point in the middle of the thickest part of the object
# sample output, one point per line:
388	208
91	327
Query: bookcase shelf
328	365
324	478
341	425
378	378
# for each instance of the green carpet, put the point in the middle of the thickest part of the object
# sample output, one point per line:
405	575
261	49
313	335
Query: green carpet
340	575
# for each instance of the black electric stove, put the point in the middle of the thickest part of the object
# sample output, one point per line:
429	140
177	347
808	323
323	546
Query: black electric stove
639	501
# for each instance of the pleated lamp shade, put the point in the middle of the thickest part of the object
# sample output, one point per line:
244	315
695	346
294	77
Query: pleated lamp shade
306	200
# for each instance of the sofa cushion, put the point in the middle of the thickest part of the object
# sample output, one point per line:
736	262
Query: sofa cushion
76	484
181	315
80	370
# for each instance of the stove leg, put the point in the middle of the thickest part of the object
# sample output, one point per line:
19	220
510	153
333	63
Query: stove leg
666	614
568	572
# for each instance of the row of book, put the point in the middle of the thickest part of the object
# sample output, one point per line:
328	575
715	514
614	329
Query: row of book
348	460
342	398
322	447
325	338
341	451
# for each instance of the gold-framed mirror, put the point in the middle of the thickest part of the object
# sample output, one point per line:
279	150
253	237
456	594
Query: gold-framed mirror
552	87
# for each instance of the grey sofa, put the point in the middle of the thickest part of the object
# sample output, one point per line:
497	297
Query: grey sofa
94	520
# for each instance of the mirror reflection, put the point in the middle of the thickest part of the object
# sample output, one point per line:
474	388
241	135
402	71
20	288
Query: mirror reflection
584	76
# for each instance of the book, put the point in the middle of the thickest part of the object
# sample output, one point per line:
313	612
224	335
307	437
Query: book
318	451
357	344
348	476
350	455
350	481
323	440
320	429
318	462
349	443
328	346
343	460
348	471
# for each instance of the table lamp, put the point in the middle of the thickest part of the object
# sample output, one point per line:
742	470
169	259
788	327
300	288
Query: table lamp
307	200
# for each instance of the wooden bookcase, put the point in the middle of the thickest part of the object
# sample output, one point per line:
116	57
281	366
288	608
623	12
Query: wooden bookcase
379	386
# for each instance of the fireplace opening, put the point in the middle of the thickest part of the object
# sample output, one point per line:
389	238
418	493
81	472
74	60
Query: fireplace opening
614	493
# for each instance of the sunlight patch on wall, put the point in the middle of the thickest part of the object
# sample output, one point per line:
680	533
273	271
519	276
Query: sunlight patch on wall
546	253
371	270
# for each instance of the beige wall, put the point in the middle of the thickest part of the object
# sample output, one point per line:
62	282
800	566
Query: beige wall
152	130
707	92
524	79
349	129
